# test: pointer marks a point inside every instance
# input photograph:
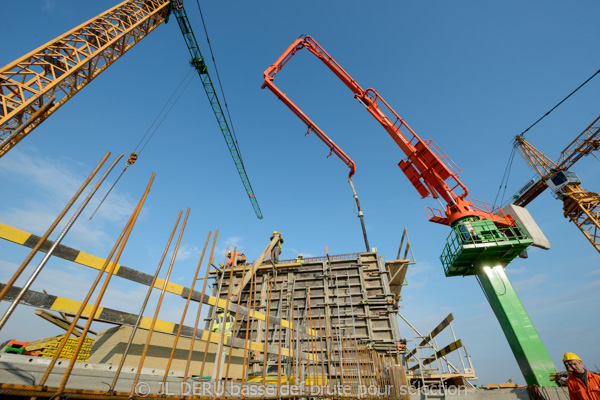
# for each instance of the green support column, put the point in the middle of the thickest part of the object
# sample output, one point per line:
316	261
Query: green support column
531	354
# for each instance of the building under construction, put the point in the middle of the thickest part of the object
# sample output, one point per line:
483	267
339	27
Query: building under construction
322	327
328	323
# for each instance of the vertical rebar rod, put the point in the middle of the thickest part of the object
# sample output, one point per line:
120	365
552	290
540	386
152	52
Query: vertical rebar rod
312	341
109	275
315	346
266	343
323	349
383	371
276	327
359	371
42	240
365	364
143	308
84	302
200	303
352	315
249	325
348	377
159	304
365	360
327	348
344	358
217	367
357	362
339	329
364	372
358	365
184	313
376	366
60	237
298	347
237	309
372	375
279	353
395	382
391	378
373	359
212	317
292	344
351	363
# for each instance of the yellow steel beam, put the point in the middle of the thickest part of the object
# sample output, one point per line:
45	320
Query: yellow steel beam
109	315
27	239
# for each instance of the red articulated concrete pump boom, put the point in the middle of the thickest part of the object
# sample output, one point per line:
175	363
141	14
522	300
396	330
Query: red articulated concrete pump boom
423	167
483	239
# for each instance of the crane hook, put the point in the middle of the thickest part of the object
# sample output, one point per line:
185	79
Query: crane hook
132	158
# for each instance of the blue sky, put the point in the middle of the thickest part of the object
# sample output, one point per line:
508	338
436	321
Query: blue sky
470	75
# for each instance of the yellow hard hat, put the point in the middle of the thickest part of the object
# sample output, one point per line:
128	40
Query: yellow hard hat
570	357
274	232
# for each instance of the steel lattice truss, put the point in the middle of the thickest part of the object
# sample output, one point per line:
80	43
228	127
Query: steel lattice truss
583	208
37	84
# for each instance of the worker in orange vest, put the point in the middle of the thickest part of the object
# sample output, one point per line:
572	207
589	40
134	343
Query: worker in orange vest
583	385
241	258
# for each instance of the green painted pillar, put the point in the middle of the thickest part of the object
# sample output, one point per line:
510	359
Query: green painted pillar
529	351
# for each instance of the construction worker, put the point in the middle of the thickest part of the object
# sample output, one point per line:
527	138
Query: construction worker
241	258
276	250
299	259
583	385
227	321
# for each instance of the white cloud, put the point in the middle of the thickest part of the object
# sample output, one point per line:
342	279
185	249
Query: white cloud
56	182
530	283
49	5
418	275
186	252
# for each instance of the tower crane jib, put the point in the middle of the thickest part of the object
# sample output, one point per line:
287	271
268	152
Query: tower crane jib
579	206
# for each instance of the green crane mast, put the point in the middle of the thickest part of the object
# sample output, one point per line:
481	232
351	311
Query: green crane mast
198	63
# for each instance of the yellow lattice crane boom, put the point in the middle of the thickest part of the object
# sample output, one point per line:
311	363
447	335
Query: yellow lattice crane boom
37	84
581	207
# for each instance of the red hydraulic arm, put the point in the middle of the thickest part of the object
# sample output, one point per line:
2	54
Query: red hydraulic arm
270	75
423	164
